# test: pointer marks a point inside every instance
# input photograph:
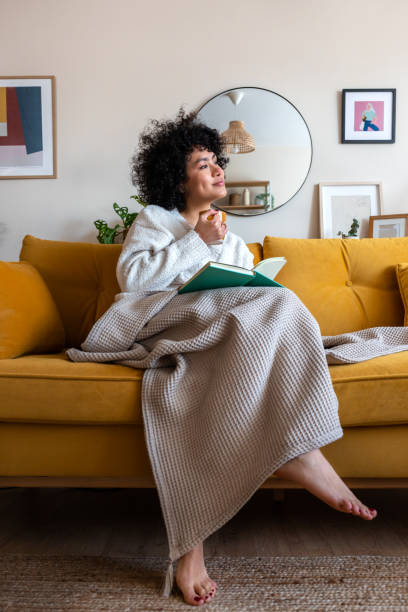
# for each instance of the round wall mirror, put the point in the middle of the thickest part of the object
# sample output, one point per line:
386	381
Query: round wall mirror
268	144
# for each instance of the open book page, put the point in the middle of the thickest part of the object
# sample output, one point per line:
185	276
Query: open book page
224	266
270	267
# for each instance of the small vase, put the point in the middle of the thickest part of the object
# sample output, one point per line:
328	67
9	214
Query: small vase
245	197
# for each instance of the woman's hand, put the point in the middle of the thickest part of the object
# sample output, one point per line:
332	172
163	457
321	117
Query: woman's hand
211	229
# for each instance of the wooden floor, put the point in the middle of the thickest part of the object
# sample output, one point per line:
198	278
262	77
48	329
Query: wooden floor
128	522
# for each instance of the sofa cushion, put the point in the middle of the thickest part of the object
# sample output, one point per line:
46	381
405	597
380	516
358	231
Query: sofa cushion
52	389
402	278
81	278
346	284
373	392
257	251
29	319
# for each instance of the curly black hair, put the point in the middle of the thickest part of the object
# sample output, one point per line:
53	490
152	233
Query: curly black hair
158	168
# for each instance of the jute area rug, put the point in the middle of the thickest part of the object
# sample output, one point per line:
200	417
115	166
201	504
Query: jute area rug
127	584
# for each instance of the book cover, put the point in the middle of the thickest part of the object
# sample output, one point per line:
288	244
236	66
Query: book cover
216	275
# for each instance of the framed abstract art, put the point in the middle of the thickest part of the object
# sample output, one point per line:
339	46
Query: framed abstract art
368	116
27	127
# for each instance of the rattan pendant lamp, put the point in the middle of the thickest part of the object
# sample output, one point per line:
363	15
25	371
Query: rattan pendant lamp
236	139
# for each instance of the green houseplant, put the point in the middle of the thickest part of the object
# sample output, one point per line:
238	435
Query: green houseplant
106	234
353	231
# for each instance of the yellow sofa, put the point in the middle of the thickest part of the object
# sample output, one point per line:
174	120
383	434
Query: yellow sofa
80	424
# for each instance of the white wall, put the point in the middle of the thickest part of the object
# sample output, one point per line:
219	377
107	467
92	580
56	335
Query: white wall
117	64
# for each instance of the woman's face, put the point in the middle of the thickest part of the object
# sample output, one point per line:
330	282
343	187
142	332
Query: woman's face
205	178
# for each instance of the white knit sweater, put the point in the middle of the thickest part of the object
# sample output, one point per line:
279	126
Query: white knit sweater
162	251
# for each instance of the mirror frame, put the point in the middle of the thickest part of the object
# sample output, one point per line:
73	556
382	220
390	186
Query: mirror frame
311	147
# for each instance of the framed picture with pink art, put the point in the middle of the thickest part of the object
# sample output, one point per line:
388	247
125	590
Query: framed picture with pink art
27	127
368	116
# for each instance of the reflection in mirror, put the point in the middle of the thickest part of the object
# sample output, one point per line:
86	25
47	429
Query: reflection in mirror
268	144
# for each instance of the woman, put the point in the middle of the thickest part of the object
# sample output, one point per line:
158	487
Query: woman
236	385
369	116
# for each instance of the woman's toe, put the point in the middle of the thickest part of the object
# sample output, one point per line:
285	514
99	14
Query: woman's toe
207	584
370	513
346	506
196	600
200	590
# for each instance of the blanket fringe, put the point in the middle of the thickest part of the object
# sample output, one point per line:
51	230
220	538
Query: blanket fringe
168	580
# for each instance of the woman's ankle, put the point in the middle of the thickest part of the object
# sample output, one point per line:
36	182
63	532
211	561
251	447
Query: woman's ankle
193	556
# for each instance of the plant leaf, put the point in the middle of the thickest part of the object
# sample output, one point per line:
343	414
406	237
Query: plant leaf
139	200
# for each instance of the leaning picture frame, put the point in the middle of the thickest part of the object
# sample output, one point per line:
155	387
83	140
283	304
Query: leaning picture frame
27	127
342	202
388	226
368	116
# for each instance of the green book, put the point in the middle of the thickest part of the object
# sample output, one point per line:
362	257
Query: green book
216	275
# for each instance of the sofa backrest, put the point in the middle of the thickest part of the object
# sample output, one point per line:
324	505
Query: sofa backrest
81	278
346	284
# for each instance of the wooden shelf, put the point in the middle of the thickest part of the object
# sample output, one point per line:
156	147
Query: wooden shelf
243	207
247	183
251	207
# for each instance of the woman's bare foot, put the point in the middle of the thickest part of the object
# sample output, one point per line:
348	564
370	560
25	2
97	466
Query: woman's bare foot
314	473
192	578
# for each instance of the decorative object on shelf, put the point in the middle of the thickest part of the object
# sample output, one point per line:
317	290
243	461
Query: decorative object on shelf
236	139
353	231
266	199
245	197
368	116
235	199
27	127
282	139
341	203
108	235
388	226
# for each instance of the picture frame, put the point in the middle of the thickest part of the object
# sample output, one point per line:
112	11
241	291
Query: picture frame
341	202
368	116
27	127
388	226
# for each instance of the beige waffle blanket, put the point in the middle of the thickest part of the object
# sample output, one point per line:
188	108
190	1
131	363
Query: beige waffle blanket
236	384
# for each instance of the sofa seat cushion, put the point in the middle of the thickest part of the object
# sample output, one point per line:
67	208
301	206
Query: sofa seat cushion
373	392
53	389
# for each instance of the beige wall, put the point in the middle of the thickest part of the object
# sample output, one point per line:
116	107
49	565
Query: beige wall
117	64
